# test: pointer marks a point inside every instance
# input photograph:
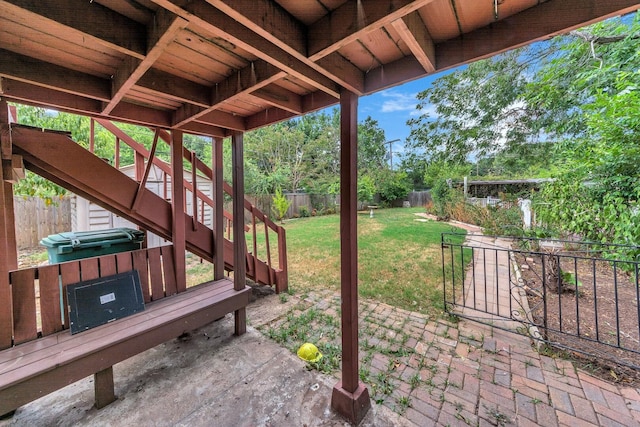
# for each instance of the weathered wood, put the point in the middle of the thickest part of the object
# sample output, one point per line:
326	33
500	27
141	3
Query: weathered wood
5	290
178	216
169	270
350	397
218	214
89	269
124	261
24	306
108	266
239	240
69	273
49	283
39	367
103	387
155	271
140	264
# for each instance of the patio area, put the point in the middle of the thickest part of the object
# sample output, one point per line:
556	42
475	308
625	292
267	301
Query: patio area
442	373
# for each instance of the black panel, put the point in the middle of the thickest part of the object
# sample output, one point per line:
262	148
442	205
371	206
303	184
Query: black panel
96	302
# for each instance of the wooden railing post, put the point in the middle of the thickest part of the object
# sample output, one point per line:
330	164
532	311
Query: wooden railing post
8	260
239	241
177	209
350	397
218	209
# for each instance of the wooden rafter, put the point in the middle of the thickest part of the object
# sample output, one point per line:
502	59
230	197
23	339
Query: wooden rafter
87	20
547	19
162	32
416	36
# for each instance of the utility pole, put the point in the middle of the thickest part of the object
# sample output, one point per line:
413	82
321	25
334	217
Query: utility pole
391	150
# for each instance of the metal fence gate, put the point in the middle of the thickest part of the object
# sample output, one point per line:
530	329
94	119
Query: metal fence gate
573	295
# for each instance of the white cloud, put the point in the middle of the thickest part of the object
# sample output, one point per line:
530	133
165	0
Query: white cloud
398	101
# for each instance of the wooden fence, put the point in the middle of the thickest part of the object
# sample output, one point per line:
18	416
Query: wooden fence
36	219
419	198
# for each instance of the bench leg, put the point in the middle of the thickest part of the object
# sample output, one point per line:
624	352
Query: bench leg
105	392
240	321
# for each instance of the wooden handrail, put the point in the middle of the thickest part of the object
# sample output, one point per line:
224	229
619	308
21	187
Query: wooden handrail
198	166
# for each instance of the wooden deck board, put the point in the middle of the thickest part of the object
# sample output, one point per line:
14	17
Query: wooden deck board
164	309
39	367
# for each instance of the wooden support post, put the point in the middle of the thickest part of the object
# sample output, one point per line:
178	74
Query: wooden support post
104	388
350	397
218	209
8	260
239	240
177	209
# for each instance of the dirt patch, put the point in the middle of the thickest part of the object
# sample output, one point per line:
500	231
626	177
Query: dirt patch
593	317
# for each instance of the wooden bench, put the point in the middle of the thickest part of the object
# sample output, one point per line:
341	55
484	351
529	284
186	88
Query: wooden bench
46	357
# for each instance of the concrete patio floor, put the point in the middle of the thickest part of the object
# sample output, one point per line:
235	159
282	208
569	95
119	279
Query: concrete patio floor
420	372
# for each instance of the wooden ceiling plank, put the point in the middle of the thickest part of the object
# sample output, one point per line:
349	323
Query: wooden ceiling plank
405	69
353	19
310	103
224	120
161	33
205	130
246	80
277	96
88	18
215	21
415	35
27	93
275	24
52	76
18	37
541	22
267	18
176	88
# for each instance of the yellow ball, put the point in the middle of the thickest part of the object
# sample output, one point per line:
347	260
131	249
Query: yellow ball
309	353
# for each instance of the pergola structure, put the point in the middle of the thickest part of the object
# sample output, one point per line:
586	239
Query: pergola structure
223	67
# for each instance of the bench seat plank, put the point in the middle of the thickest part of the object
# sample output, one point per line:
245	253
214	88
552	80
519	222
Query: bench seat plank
37	368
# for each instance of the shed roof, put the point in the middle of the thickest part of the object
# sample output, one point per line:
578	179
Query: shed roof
217	66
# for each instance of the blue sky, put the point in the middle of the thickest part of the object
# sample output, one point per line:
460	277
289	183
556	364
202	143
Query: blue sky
393	107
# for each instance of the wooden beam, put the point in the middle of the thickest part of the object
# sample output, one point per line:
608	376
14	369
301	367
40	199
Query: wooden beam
87	19
222	119
281	98
537	23
45	74
217	194
177	209
416	36
239	239
215	21
350	397
162	32
204	129
310	103
352	20
6	222
267	19
175	88
254	76
395	73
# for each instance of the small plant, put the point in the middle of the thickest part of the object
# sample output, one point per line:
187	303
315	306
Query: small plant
499	419
414	381
403	403
304	211
284	297
280	205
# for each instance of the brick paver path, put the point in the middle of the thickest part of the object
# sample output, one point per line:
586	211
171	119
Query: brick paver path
448	373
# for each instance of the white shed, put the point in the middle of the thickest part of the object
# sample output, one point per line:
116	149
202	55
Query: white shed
88	216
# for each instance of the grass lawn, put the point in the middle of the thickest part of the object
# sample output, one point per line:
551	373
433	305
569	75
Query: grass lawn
399	257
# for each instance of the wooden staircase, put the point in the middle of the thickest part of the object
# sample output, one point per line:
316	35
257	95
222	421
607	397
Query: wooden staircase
55	156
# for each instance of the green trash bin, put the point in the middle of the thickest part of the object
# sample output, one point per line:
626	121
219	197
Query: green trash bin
86	244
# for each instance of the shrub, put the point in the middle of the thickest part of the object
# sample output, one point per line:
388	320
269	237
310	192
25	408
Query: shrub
280	204
304	211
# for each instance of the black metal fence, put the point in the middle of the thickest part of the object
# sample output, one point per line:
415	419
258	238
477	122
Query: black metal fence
579	296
